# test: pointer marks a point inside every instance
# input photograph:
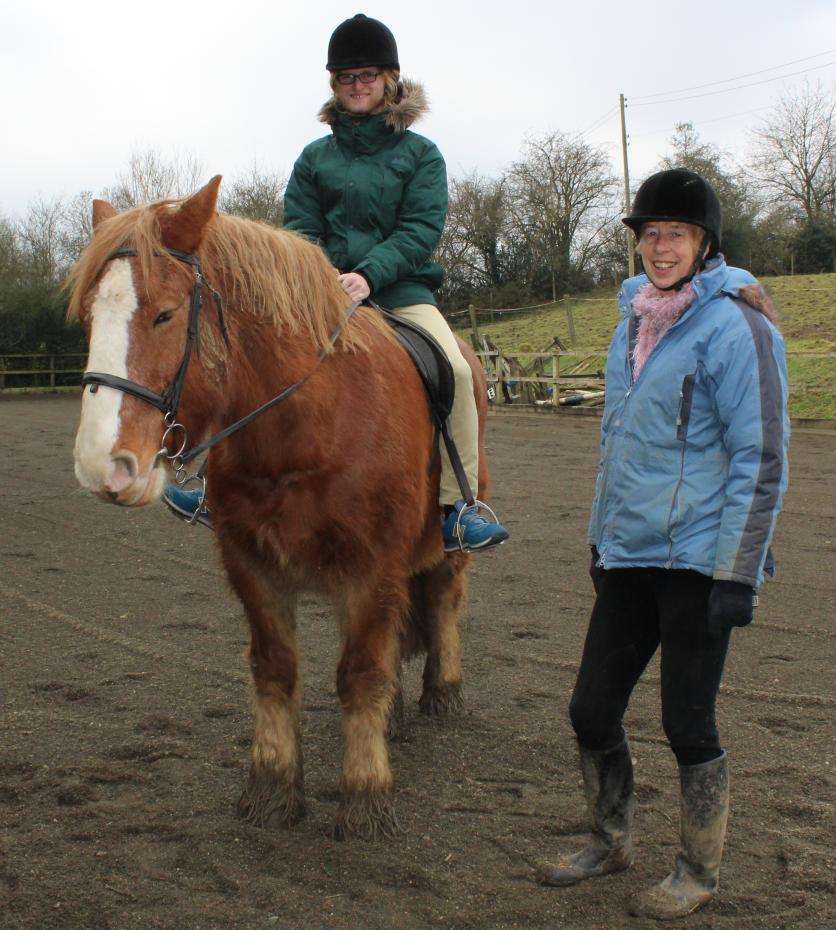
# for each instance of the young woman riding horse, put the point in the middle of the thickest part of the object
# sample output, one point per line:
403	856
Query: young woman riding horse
194	321
373	194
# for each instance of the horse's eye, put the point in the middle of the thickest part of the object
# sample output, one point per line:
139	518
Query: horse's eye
162	317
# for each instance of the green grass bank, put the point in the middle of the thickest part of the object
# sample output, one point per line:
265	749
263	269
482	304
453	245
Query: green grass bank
806	306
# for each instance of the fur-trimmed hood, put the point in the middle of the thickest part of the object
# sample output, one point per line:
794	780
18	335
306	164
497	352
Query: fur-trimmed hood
758	299
398	114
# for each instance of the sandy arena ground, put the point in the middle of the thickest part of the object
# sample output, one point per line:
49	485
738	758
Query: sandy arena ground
125	722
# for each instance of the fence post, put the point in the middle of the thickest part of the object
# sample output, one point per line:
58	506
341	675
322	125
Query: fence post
52	372
570	322
556	379
475	338
500	381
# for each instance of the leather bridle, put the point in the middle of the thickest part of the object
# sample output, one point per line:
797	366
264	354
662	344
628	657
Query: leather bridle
169	401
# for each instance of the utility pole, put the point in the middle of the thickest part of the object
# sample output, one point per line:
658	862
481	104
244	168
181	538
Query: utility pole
631	255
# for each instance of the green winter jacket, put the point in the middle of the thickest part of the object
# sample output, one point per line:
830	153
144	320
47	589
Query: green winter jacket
373	194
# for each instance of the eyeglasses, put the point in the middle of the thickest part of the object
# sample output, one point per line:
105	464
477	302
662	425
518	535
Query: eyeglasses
364	77
651	234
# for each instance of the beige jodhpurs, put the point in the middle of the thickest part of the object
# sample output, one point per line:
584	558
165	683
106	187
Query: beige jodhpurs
464	421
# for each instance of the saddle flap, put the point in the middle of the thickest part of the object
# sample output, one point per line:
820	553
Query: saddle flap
431	362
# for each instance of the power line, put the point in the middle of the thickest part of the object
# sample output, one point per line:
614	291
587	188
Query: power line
726	90
698	123
600	121
683	90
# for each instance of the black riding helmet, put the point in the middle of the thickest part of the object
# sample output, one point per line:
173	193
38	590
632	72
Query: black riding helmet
360	41
678	195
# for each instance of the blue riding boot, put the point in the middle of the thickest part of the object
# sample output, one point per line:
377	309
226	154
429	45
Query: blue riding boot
465	530
186	504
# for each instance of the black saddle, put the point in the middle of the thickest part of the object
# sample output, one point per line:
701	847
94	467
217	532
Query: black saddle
431	362
439	383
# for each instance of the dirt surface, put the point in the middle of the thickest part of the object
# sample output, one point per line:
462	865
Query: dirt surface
125	723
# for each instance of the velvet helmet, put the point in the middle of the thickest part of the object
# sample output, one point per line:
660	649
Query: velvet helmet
678	196
360	41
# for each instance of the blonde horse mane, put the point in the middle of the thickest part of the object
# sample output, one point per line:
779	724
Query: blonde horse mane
267	273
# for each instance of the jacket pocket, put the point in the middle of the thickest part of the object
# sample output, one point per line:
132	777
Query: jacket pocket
686	397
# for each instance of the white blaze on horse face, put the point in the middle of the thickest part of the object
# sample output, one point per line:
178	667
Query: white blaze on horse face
110	316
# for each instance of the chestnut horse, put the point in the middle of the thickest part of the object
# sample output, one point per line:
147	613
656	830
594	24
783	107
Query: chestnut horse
333	490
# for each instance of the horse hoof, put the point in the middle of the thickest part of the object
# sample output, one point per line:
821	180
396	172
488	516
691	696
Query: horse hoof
268	801
366	815
440	702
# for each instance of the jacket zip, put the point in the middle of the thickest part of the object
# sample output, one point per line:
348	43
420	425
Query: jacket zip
633	381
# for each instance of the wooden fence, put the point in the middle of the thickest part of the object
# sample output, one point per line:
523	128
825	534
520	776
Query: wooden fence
41	372
545	378
559	377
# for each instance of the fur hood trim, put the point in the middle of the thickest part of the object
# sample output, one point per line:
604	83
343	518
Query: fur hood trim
399	114
758	299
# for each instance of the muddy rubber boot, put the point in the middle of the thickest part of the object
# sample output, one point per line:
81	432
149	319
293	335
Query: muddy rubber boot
693	882
608	789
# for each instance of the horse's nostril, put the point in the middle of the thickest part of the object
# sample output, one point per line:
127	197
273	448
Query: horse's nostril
126	462
124	469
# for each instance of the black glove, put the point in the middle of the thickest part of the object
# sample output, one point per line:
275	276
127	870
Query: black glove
596	573
730	603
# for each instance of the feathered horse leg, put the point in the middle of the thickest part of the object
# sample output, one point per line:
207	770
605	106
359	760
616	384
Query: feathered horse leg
366	683
274	795
437	604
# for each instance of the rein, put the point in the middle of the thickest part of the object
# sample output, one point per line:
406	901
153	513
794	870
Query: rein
169	401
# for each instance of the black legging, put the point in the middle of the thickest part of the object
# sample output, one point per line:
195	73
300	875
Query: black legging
637	609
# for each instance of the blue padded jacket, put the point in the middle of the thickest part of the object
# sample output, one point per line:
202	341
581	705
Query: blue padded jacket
693	463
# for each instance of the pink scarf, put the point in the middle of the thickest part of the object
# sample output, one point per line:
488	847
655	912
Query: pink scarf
657	312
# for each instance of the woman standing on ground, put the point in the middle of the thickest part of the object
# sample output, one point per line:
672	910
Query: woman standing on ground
692	473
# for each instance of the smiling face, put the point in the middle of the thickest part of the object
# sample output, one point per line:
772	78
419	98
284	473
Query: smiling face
669	250
359	98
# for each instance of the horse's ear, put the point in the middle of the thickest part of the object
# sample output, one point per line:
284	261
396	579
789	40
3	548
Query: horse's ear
102	210
185	227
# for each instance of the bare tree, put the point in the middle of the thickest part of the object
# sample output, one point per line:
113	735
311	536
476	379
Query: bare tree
40	239
794	156
734	190
77	225
472	246
258	196
563	195
10	264
150	177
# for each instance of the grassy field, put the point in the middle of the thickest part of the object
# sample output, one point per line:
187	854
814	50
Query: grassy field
806	305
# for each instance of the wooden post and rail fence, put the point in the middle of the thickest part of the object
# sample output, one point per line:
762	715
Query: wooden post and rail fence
558	377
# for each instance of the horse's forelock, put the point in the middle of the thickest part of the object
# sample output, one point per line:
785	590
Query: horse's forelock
137	228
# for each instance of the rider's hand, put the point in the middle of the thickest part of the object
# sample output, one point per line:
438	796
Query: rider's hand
355	285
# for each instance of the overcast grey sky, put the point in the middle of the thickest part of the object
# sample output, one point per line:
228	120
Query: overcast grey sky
238	83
